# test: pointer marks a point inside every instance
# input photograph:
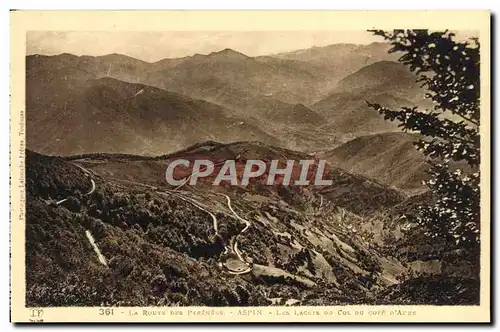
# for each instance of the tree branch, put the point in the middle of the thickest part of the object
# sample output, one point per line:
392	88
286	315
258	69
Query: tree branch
467	119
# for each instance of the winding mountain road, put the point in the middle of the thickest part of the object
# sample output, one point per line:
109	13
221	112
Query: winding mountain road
87	174
181	195
194	173
195	203
100	256
235	242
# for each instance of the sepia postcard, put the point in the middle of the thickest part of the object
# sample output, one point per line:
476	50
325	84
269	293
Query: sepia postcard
250	166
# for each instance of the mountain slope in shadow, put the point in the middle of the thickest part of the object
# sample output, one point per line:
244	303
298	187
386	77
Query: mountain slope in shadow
391	158
387	83
69	115
264	92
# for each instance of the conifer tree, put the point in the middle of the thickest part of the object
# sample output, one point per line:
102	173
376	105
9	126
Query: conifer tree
449	70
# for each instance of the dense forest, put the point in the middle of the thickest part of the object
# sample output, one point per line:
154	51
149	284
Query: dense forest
162	250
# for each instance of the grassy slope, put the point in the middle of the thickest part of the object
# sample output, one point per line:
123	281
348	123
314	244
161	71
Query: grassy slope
388	157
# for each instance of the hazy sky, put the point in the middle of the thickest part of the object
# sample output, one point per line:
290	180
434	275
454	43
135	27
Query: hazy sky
153	46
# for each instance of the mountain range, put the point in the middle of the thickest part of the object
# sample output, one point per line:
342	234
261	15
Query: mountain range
71	117
104	228
299	100
341	60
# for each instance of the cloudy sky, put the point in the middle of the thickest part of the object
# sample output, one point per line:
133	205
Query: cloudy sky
153	46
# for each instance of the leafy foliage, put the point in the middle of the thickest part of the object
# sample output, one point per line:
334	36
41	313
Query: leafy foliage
449	70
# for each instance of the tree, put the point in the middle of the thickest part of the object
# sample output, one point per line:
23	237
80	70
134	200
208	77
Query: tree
72	204
449	70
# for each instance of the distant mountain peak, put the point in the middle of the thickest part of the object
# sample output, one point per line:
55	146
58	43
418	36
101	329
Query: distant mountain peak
387	68
119	57
228	53
386	63
67	55
300	106
384	44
